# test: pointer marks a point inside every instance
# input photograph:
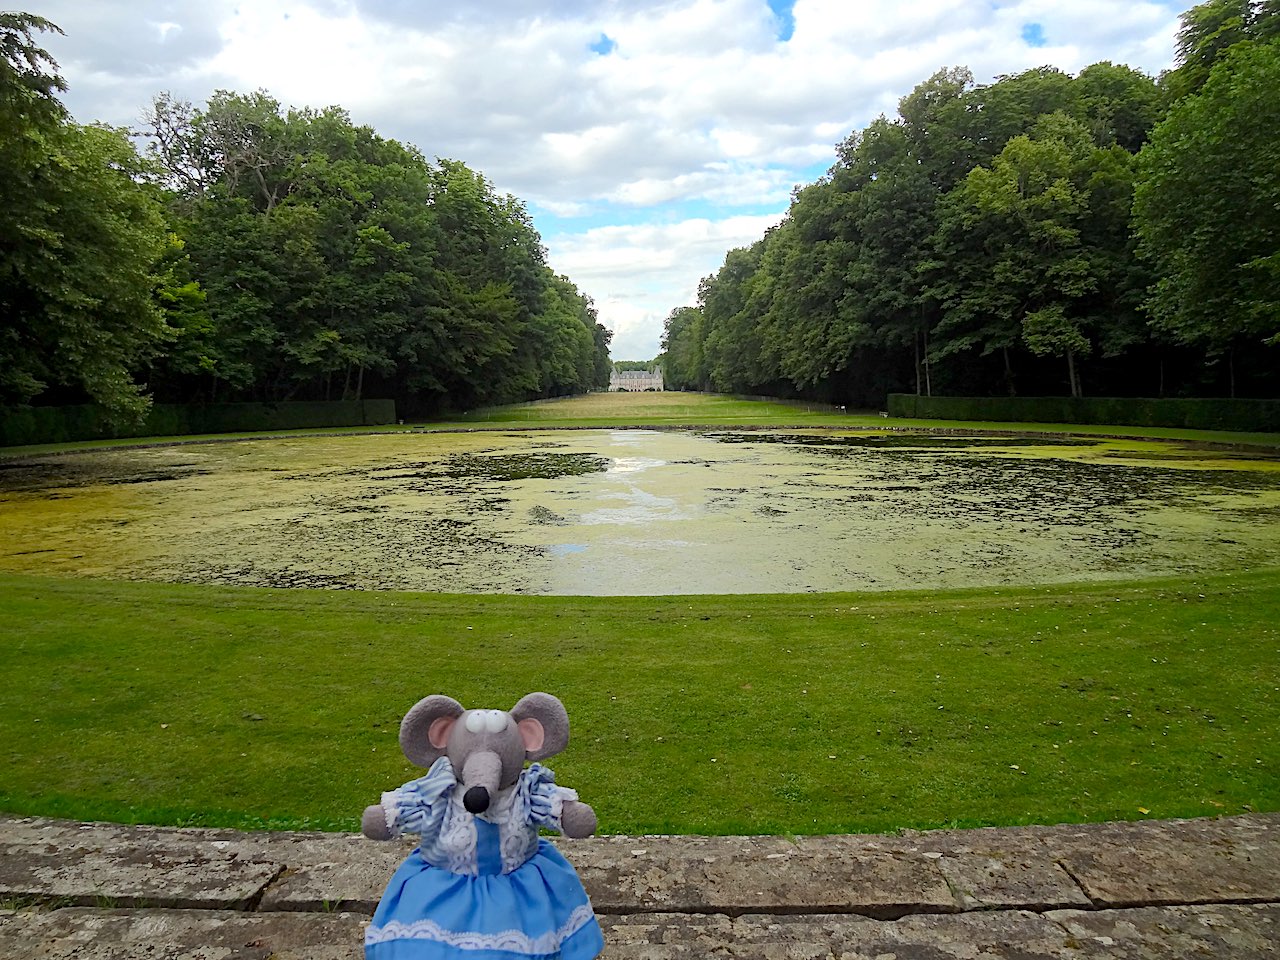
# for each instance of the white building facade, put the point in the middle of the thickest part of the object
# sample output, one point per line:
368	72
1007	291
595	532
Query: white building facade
635	381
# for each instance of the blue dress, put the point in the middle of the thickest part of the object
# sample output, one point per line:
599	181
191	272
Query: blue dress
481	886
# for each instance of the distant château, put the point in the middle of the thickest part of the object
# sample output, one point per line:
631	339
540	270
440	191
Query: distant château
636	381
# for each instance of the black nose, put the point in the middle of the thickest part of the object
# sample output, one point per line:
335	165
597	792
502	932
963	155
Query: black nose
476	800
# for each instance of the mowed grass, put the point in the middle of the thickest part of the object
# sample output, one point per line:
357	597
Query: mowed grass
792	714
664	408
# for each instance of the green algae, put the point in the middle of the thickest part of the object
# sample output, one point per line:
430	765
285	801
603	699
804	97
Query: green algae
897	440
641	512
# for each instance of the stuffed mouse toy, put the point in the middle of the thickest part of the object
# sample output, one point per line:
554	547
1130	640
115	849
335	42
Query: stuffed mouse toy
481	883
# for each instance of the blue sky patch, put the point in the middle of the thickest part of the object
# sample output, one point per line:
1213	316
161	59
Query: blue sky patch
782	11
1033	34
605	45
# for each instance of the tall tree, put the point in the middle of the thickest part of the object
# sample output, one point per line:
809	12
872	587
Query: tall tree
682	338
985	227
1010	107
935	116
80	232
332	256
893	204
1119	105
1207	207
806	333
733	348
1205	34
1012	239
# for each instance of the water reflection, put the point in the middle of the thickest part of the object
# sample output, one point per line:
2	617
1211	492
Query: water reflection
633	464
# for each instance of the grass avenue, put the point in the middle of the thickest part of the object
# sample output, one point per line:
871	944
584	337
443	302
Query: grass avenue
798	714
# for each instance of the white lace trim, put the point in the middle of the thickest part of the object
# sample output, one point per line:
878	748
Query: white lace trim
517	842
558	798
457	839
513	941
391	812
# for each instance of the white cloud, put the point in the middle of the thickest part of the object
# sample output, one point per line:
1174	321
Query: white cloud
720	183
634	329
638	275
639	252
697	102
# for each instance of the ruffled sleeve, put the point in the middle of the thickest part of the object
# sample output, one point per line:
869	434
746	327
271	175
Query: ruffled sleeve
419	806
538	800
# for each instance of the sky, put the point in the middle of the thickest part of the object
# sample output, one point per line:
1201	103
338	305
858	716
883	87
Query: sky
647	139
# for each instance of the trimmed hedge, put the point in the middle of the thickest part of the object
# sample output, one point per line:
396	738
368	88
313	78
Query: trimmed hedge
1193	414
28	425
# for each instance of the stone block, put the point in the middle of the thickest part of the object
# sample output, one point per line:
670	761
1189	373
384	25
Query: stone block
977	936
1208	932
334	872
736	875
87	934
997	868
1156	862
113	865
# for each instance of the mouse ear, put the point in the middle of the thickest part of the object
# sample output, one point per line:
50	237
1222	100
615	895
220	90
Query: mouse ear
424	731
543	723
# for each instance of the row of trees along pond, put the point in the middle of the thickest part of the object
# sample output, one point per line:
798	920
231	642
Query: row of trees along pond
256	253
1041	235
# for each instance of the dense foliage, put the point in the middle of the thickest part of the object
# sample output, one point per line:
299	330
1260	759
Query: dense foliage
258	253
987	240
79	236
1208	207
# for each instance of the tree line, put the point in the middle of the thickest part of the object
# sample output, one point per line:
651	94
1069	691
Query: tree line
1045	234
253	252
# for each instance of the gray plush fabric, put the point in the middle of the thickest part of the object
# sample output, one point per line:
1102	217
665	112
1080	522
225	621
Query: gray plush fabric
374	823
577	820
550	712
415	728
488	748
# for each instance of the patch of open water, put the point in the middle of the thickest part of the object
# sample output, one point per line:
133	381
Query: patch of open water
640	512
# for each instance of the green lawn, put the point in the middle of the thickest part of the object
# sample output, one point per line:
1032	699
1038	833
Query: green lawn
662	408
774	714
752	714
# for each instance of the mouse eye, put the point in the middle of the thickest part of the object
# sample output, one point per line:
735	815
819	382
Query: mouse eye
485	721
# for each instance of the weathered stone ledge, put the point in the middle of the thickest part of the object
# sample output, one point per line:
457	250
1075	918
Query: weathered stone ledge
1239	932
1208	888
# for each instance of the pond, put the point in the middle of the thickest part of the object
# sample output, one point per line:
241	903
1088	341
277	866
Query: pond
640	512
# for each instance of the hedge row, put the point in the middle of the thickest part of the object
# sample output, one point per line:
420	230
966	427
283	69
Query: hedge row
1194	414
27	425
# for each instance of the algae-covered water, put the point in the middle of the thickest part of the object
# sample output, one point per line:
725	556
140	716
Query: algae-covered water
640	512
